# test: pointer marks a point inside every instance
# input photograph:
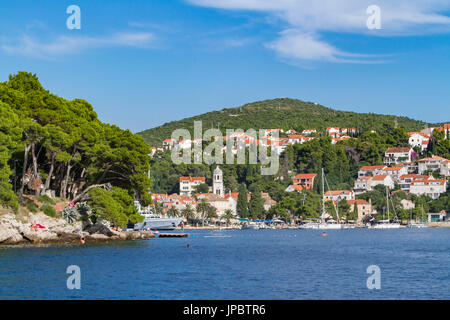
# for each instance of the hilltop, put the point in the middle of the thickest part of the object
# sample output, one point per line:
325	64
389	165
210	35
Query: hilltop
282	113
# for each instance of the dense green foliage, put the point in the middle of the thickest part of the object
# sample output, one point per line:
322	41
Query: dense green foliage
62	146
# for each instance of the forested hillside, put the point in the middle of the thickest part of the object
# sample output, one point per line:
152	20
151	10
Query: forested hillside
286	114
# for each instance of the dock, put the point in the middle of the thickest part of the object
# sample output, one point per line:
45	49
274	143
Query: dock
173	235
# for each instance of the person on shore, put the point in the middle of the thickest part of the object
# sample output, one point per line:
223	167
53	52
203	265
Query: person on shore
182	227
33	226
82	240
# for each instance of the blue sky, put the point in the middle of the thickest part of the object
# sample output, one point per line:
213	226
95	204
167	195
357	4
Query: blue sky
144	63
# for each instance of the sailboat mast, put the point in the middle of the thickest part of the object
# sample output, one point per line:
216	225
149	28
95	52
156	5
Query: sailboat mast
387	202
323	194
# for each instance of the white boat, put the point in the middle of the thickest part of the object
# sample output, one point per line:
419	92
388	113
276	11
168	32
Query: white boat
416	225
385	224
250	226
155	222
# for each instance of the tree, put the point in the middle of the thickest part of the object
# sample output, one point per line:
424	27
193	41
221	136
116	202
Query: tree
201	188
173	212
188	212
228	216
256	205
242	202
202	208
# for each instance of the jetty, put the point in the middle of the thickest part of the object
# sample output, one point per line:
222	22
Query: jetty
173	235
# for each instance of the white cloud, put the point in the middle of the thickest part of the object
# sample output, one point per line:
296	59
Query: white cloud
305	20
67	45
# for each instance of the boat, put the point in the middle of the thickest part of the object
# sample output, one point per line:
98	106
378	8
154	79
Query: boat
385	224
416	225
322	224
153	221
250	226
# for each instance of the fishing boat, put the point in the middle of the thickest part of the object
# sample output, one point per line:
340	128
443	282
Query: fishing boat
322	224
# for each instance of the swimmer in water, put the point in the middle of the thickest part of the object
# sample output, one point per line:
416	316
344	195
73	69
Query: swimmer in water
82	239
188	245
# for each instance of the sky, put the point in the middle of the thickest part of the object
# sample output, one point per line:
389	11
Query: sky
142	63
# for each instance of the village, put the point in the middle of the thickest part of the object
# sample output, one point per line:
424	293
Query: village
403	171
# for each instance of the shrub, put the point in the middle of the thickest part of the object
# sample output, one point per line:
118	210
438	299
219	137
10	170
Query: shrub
70	214
32	207
46	199
49	210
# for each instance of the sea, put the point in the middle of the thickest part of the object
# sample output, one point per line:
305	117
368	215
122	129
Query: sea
289	264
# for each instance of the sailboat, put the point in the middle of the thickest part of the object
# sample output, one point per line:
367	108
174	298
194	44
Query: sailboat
416	225
322	224
386	224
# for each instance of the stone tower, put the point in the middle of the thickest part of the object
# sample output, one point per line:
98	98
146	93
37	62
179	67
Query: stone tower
218	182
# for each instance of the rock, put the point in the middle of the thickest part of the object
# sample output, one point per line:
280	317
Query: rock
96	237
98	228
9	235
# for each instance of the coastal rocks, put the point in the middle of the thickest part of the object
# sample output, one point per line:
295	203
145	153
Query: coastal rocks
98	228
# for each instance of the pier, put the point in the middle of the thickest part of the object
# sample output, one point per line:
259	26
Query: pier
173	235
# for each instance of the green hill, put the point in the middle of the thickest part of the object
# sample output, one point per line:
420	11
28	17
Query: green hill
282	113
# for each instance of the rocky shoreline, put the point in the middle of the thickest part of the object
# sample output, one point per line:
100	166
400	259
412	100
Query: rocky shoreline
13	231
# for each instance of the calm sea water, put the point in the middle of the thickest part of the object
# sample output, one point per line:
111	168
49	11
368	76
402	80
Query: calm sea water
249	264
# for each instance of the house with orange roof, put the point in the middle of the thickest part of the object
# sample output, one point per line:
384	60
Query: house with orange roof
432	188
333	131
187	184
430	164
395	172
397	155
406	180
295	187
445	168
362	184
338	195
418	139
306	180
308	132
337	139
363	208
383	179
296	138
168	144
370	170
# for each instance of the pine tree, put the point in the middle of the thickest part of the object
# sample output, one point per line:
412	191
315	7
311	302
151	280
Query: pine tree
242	202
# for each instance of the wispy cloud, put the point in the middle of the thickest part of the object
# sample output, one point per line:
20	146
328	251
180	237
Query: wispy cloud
305	21
31	46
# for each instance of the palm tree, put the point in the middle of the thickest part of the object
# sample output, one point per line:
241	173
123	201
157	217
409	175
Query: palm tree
159	210
228	216
173	212
211	213
188	212
202	208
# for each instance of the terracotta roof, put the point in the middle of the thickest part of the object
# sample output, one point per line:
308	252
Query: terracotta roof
413	176
370	168
295	136
192	179
337	192
398	150
357	202
433	158
306	175
427	182
296	187
380	177
396	168
364	178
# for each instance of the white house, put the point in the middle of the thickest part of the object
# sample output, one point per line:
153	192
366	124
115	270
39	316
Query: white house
308	132
431	187
445	168
433	164
395	172
418	139
406	180
397	155
362	184
337	195
384	180
187	184
296	138
370	170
